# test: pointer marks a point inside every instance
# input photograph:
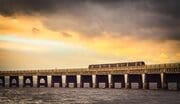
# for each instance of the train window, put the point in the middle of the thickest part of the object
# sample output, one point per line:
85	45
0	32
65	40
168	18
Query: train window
113	65
138	63
95	66
119	65
123	64
105	66
132	64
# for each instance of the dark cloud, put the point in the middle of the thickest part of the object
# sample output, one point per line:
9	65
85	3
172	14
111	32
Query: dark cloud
11	7
147	19
166	7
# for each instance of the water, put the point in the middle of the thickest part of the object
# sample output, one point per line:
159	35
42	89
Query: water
86	96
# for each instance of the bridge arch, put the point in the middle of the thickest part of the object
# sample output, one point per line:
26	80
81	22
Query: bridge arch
42	81
86	79
14	81
56	80
102	79
28	81
71	79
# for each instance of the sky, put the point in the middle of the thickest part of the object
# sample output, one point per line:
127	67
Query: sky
75	33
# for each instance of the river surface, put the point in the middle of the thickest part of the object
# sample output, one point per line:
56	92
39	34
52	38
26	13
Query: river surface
86	96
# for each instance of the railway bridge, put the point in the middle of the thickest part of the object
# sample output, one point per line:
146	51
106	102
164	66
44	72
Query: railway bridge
125	74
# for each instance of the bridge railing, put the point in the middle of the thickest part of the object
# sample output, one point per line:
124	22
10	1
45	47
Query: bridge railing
157	68
170	65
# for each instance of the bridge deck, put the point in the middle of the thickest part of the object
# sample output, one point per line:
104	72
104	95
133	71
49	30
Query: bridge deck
151	69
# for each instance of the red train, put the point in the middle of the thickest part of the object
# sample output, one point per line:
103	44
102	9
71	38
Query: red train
116	65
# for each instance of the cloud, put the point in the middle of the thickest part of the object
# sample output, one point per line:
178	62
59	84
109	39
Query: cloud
146	19
110	30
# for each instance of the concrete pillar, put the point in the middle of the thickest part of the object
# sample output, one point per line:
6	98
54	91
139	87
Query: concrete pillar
21	81
126	81
144	82
178	85
34	81
109	80
164	84
49	78
94	81
7	82
64	84
78	81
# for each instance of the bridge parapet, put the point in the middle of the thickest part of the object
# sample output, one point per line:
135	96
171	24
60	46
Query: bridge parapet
169	65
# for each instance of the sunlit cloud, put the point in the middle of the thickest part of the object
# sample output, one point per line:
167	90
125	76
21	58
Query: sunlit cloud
75	34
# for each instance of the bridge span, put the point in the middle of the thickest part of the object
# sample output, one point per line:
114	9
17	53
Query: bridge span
107	74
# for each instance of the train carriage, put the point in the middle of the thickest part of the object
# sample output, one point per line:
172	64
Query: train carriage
116	65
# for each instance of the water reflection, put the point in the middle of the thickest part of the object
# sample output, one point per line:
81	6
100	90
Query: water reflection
87	96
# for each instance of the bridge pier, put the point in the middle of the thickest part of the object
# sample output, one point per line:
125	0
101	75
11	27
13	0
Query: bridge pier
27	81
71	79
2	81
178	85
164	83
94	81
102	79
78	81
110	80
86	79
144	81
64	84
14	81
119	78
49	79
56	79
21	81
42	81
35	81
126	80
7	80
